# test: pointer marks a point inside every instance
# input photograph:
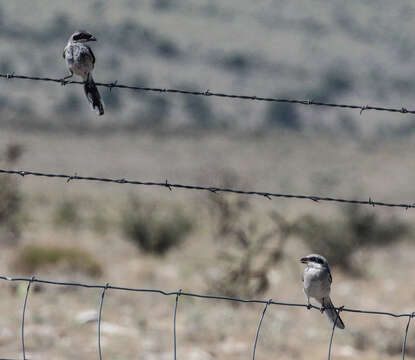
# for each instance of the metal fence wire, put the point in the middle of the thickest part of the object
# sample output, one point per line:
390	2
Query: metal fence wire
178	294
308	102
213	189
269	195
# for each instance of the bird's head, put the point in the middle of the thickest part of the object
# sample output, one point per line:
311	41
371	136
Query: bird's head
82	36
315	260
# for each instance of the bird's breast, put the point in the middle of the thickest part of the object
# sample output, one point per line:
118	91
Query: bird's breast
79	60
316	283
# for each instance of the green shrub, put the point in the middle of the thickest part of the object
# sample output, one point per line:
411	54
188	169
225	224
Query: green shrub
10	197
283	116
199	111
67	214
153	231
32	258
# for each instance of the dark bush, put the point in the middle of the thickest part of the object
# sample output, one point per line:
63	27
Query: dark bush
10	197
153	231
163	5
247	247
237	62
167	48
67	214
336	82
284	116
357	228
70	104
199	111
153	115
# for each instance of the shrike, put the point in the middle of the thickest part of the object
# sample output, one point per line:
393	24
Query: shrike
316	282
80	61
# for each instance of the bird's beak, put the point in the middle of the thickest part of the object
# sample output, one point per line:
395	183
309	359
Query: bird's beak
304	260
93	38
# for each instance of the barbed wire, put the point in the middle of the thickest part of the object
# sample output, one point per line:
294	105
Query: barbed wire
213	189
309	102
179	293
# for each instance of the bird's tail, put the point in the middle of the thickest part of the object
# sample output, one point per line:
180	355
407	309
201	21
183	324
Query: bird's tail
331	313
93	96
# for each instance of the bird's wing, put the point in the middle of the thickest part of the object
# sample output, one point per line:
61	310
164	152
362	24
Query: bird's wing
330	278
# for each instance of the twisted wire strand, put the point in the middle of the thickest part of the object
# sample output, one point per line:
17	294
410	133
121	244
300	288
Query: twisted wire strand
406	335
170	186
30	281
309	102
101	303
202	296
174	325
259	328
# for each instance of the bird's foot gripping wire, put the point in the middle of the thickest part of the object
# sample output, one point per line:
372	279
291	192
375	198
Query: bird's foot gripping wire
64	80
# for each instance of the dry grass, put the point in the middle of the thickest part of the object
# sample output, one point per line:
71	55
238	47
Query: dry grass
36	258
142	323
327	51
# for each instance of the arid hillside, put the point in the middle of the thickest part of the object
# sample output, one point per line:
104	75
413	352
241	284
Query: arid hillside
203	242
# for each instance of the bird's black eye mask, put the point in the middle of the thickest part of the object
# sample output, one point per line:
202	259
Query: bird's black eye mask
82	36
317	260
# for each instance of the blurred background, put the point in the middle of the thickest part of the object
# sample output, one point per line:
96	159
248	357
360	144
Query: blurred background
357	53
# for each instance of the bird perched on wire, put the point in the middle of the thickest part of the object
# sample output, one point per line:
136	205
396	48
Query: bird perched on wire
316	282
80	60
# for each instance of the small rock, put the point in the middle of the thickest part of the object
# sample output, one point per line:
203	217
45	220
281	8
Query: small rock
114	329
88	316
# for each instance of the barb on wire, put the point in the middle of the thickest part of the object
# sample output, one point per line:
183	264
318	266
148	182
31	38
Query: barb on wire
99	319
259	327
170	186
24	313
174	324
406	335
115	84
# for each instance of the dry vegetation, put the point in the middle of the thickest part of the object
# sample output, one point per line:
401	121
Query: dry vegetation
202	242
254	243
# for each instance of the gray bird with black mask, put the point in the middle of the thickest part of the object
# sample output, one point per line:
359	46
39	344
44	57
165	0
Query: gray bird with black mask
80	61
317	282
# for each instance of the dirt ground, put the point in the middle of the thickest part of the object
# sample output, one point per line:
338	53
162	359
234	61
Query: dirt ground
339	52
61	322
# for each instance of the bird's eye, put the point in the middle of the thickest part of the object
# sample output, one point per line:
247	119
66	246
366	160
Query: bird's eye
82	36
317	260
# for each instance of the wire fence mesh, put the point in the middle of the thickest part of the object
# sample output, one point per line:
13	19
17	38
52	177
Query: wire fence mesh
180	293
